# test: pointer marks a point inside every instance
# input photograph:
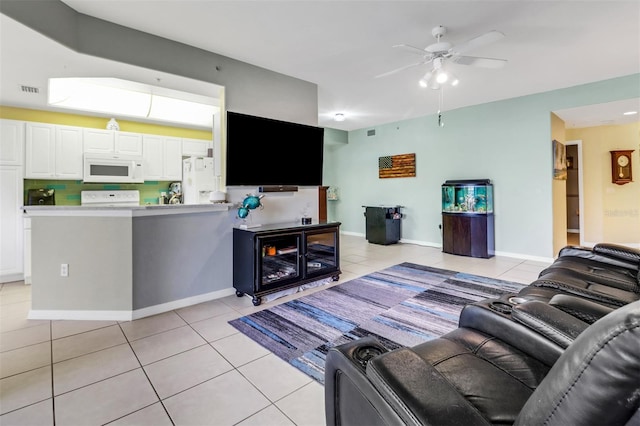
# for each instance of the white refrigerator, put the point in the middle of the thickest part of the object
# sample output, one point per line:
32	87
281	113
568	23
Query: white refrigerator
198	180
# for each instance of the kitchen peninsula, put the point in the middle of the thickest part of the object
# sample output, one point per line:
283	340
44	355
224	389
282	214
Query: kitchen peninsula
125	263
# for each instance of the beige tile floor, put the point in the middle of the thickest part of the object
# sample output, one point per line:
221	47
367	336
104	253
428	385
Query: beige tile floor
184	367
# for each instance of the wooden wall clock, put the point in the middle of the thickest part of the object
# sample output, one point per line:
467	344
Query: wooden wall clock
621	167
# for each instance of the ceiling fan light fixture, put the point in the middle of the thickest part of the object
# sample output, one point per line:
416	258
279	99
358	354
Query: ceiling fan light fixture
453	79
426	80
433	83
441	77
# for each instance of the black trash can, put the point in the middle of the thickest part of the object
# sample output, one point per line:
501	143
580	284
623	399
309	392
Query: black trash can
383	224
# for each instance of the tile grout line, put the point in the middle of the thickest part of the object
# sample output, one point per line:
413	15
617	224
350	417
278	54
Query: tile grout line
148	380
53	393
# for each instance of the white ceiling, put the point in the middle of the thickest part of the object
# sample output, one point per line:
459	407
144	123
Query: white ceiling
342	45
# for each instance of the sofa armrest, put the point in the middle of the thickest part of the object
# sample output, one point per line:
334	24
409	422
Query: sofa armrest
395	387
350	398
419	393
556	325
494	317
583	309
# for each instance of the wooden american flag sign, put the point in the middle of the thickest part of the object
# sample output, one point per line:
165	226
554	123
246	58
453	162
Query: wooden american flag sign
394	166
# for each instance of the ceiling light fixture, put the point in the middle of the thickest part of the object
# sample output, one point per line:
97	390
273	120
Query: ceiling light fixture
630	113
127	98
438	76
339	117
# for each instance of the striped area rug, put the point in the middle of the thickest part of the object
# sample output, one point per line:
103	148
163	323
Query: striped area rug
403	305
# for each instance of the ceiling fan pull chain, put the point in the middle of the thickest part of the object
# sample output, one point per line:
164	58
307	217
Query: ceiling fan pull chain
440	107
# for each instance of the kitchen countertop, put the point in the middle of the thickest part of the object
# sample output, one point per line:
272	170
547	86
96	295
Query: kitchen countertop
126	211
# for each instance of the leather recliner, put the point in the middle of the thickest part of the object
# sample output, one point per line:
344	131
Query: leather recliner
546	367
608	274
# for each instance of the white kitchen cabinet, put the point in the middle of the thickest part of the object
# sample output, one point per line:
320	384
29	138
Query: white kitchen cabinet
173	159
98	140
40	153
12	142
195	147
11	225
68	160
112	142
53	152
162	158
128	143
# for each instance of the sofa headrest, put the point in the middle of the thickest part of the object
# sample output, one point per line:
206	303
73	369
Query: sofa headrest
597	378
617	251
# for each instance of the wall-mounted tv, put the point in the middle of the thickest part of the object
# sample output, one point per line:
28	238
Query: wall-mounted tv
263	151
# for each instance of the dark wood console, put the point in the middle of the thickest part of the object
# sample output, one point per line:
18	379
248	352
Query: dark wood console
468	234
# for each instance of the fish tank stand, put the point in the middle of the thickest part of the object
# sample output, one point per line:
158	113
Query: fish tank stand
467	218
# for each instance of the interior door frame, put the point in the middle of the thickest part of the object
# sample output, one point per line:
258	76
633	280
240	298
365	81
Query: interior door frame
578	143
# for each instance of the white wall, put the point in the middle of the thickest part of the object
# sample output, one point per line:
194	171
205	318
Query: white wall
248	88
277	207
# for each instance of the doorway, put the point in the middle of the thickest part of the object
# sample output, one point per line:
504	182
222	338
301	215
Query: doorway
575	224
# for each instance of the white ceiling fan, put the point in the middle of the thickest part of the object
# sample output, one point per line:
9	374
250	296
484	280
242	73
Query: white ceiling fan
441	51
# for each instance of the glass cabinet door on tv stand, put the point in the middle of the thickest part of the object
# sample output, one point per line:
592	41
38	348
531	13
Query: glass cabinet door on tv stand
321	248
279	260
272	258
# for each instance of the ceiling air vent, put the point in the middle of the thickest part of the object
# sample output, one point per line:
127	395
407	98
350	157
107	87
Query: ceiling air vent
371	132
29	89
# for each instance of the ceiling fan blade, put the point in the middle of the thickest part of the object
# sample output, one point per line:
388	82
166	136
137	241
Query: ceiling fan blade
412	49
397	70
481	40
475	61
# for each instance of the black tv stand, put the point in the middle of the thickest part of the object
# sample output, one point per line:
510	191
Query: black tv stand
271	258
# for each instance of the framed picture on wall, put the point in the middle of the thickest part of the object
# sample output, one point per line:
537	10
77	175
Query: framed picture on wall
559	161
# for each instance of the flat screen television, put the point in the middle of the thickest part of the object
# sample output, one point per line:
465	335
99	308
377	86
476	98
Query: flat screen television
262	151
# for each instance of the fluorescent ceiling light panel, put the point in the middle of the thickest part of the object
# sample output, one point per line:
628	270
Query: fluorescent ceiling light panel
98	95
181	111
117	97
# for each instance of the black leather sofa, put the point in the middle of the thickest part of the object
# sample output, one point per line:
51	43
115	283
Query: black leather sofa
607	274
560	354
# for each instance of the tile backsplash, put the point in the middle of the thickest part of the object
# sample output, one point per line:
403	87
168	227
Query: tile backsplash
68	191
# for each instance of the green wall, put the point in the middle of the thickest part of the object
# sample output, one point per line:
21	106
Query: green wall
506	141
68	191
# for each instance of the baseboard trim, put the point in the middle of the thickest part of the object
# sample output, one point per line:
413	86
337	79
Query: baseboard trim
525	257
421	243
10	278
181	303
41	314
439	245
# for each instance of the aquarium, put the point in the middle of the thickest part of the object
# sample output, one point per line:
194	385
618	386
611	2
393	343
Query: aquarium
467	196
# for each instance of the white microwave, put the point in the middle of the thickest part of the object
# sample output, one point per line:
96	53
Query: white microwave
113	168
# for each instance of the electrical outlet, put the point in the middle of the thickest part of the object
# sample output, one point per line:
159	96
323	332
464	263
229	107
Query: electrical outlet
64	269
